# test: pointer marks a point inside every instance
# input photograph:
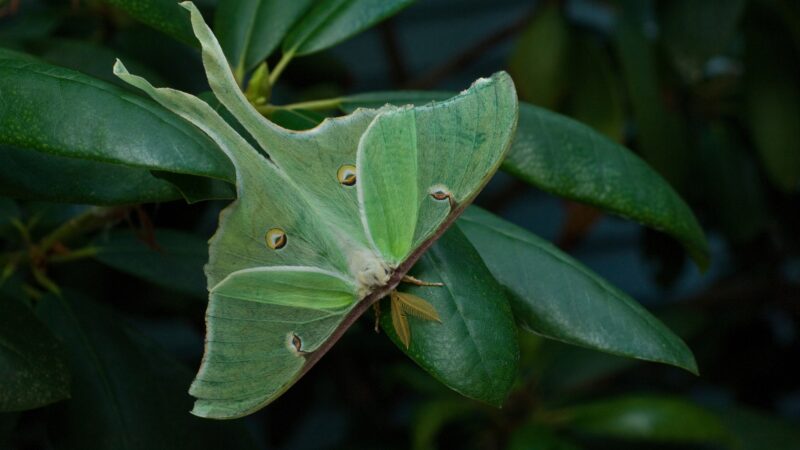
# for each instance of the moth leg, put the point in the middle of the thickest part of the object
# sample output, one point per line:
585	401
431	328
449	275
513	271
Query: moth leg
418	282
377	308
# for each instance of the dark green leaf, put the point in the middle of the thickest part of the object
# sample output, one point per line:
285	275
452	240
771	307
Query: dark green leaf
77	180
538	62
127	392
197	189
163	15
557	297
758	431
176	262
249	30
331	22
7	53
659	131
296	119
474	350
569	159
33	371
695	31
91	59
537	437
647	418
63	113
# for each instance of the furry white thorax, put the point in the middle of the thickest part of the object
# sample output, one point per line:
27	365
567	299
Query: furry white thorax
369	270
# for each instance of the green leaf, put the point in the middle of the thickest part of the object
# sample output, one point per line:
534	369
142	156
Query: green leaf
7	53
331	22
176	262
557	297
59	112
696	31
647	418
33	371
474	350
538	61
89	58
163	15
250	30
297	119
537	437
128	393
197	189
759	431
77	181
569	159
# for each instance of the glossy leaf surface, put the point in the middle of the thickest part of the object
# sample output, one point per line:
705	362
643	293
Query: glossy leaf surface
33	371
474	349
557	297
249	30
331	22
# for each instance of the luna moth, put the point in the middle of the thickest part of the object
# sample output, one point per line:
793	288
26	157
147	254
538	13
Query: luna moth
326	221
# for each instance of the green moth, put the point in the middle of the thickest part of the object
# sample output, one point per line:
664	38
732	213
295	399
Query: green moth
327	221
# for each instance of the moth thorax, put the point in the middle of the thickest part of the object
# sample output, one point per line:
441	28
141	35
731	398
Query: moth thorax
369	271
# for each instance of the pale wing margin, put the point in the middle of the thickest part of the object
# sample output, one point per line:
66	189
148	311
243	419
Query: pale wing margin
262	323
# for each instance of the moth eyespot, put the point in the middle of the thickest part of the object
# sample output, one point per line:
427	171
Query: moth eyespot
297	343
440	192
276	238
347	175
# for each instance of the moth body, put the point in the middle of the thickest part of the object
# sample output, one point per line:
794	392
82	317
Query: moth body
369	271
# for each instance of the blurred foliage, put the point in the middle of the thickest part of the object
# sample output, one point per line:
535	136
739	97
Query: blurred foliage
101	308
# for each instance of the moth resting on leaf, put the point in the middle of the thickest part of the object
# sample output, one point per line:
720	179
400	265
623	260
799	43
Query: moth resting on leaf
327	221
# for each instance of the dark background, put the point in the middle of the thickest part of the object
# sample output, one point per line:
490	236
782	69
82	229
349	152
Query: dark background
740	317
